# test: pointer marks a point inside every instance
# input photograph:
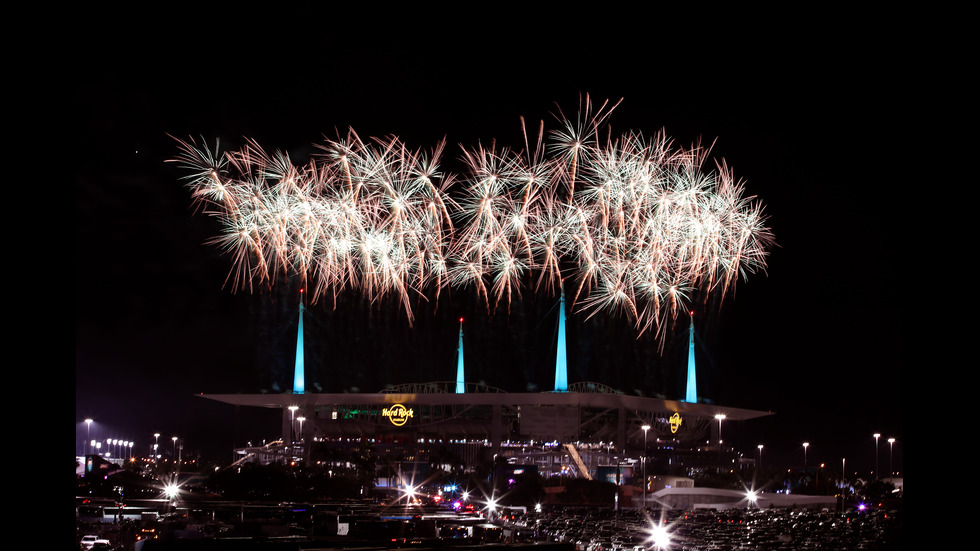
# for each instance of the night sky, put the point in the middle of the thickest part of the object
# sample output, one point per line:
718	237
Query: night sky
819	339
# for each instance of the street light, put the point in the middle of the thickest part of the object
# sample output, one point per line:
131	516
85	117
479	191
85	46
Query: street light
805	446
877	435
88	433
891	466
720	417
760	456
302	442
843	471
491	506
645	429
659	535
292	424
156	445
292	420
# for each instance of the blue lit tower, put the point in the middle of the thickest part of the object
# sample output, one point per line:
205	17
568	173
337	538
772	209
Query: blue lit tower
561	363
299	373
692	376
460	376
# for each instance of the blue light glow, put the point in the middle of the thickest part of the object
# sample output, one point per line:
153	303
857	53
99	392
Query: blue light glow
692	376
561	363
299	373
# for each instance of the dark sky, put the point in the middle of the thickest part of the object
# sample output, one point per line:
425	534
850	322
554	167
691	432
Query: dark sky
819	339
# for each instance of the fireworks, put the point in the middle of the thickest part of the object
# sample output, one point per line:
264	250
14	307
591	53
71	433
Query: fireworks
633	224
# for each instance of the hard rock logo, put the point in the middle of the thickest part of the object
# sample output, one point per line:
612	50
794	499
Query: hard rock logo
675	422
397	414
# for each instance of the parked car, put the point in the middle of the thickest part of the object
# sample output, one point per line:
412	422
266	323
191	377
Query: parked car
93	542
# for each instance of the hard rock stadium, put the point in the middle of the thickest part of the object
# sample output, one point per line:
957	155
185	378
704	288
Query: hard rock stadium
578	429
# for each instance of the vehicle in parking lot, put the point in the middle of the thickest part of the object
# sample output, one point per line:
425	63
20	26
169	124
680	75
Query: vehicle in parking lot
93	542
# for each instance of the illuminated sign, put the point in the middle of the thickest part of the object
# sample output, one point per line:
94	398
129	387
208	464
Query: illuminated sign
675	422
397	414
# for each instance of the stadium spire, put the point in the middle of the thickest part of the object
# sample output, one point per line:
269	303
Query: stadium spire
561	363
692	376
460	376
299	372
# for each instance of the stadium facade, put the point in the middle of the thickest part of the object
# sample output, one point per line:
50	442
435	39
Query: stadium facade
589	422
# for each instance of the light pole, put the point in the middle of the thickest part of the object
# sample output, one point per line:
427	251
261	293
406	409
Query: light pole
156	445
88	433
805	446
302	442
877	435
891	466
645	429
292	423
760	456
175	452
720	417
292	420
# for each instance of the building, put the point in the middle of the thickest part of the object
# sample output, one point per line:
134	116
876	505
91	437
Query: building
590	423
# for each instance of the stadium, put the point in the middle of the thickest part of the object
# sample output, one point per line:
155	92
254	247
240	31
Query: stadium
582	429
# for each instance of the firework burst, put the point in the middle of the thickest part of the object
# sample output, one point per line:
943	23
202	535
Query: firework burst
636	225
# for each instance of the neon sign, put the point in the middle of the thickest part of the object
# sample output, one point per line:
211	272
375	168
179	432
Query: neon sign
398	414
675	422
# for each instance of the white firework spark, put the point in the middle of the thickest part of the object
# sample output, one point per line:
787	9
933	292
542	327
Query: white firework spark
636	224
